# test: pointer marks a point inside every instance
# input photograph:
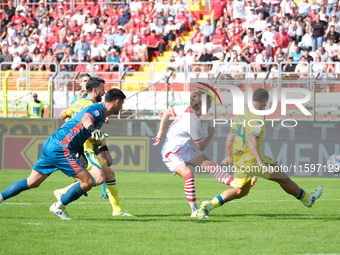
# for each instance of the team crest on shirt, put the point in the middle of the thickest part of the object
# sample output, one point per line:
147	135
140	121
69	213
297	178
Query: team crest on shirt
96	113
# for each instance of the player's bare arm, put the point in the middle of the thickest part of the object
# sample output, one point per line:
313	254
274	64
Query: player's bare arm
253	146
202	145
166	116
63	115
229	144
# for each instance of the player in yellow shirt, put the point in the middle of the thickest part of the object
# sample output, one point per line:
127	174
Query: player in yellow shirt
98	155
244	144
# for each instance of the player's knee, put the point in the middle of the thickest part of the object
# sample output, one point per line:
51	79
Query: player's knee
241	192
99	180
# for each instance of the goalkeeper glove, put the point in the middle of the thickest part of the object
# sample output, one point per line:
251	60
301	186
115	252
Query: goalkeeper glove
96	134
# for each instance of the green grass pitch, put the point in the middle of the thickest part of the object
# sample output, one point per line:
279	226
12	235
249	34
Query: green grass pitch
267	221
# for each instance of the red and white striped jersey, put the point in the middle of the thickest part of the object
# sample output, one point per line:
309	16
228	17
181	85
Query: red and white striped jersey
186	125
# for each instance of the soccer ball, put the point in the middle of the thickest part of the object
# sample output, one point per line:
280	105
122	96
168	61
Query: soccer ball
333	164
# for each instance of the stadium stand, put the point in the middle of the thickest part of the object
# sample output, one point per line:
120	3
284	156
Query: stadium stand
292	44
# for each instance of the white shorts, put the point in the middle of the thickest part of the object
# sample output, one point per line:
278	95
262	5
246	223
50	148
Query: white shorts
182	157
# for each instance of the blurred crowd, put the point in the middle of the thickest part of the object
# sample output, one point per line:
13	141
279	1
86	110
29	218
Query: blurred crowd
248	31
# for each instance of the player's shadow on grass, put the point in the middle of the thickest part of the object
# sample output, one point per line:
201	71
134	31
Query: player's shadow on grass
288	216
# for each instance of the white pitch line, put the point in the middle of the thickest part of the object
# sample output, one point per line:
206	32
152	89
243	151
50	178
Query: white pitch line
172	202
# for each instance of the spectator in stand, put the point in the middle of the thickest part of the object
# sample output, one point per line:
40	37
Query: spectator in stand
48	58
177	47
322	54
62	5
260	26
135	6
307	57
23	7
89	27
17	18
203	56
155	43
60	48
113	46
44	27
219	7
330	70
83	67
307	41
219	40
95	51
203	44
237	9
190	45
296	54
79	17
154	26
120	37
330	6
104	49
41	12
268	40
197	35
89	37
129	44
10	9
125	58
266	58
95	11
143	35
207	29
43	46
36	57
169	31
318	27
5	56
125	8
160	17
15	47
179	62
245	55
122	20
333	35
67	58
112	57
140	51
82	48
280	56
331	48
283	39
304	8
290	66
335	11
98	37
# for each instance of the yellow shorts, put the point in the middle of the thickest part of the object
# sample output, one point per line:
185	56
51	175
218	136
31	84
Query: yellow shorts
243	174
92	158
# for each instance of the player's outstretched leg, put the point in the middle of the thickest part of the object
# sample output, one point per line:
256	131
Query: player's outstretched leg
224	197
293	189
206	164
85	183
113	192
189	187
33	181
104	193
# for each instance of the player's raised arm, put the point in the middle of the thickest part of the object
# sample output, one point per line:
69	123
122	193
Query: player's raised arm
202	145
229	143
166	116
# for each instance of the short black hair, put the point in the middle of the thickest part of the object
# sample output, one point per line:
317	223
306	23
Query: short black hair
93	82
113	95
260	95
84	75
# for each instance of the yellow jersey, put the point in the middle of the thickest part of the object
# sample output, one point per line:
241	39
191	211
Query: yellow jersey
78	106
244	125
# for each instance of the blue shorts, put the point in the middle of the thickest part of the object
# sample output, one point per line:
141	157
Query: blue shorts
54	157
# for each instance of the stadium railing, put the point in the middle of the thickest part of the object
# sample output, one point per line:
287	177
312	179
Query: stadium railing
179	80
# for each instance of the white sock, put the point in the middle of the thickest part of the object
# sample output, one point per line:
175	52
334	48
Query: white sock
193	206
1	199
59	205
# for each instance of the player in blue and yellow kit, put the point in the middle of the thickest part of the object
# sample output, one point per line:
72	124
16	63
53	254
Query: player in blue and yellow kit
60	149
98	156
244	144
